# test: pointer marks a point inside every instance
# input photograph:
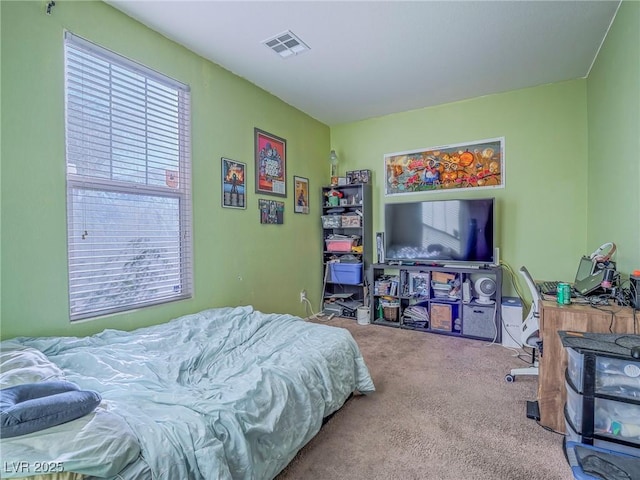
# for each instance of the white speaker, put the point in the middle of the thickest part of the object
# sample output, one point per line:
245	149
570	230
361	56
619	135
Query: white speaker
380	247
485	287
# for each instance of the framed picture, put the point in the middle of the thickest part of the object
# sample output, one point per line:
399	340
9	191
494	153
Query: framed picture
234	187
271	212
357	177
463	166
271	163
301	195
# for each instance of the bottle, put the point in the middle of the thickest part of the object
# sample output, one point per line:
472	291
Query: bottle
466	291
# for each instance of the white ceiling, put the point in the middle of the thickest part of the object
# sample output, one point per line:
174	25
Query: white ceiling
372	58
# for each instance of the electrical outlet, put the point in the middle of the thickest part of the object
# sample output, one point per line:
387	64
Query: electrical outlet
303	295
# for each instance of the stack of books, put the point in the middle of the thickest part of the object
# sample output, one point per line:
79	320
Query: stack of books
445	285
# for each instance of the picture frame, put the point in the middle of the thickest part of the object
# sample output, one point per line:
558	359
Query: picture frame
271	211
270	163
301	194
234	185
463	166
358	177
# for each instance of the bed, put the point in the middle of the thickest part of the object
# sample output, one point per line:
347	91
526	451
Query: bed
226	393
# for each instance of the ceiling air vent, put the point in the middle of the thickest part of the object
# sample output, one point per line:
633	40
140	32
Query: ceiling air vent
286	44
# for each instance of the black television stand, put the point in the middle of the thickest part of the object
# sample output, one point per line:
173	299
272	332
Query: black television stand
438	298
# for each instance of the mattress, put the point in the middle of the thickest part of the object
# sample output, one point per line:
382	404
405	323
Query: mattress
227	393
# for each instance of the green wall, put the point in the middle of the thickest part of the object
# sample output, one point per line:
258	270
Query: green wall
541	214
572	168
236	260
572	153
613	101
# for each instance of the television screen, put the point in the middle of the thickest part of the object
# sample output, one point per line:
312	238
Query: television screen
440	231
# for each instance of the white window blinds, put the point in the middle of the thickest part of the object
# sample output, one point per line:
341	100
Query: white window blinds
128	183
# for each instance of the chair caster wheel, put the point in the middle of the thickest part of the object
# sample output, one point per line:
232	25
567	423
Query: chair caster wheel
509	378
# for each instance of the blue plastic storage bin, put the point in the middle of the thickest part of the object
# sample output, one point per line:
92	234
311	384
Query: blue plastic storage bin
592	463
347	273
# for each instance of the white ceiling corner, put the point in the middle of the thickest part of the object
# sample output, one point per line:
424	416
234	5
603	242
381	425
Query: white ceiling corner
373	58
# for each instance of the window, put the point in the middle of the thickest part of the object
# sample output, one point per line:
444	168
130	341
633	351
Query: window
128	183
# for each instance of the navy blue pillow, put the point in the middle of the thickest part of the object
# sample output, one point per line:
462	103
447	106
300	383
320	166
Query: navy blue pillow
31	407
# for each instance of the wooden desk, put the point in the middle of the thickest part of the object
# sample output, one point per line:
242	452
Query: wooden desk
553	363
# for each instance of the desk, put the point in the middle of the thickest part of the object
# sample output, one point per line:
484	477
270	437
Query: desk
553	363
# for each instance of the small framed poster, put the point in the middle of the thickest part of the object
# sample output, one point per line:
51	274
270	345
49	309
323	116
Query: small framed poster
271	163
356	177
301	194
271	211
234	187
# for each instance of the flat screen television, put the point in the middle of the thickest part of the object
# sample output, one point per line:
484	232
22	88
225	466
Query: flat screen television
441	231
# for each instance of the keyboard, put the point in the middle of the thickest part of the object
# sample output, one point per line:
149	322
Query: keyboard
548	288
551	288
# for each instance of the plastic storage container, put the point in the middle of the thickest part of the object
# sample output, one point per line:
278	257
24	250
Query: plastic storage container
347	273
573	436
575	361
618	377
570	434
617	420
331	221
573	407
607	411
340	244
593	463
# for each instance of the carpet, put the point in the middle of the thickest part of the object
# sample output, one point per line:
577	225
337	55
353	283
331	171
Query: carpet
442	410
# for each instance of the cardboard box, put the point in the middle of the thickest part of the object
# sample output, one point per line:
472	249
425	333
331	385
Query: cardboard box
441	317
441	277
350	220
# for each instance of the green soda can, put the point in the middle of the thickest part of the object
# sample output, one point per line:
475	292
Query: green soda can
564	294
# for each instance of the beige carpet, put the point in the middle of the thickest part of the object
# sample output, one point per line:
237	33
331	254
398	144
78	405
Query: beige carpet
442	410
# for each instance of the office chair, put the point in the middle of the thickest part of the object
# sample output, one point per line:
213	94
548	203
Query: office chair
530	335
